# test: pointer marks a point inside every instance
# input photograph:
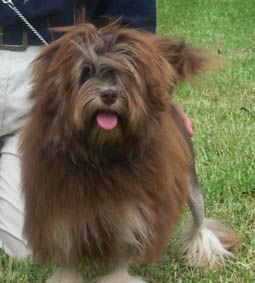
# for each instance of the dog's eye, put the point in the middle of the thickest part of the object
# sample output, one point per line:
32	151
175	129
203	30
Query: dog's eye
108	73
85	74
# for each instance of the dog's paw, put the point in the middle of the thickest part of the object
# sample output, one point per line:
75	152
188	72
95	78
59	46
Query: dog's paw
65	275
119	277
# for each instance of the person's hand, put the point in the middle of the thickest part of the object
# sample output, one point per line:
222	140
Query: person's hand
185	119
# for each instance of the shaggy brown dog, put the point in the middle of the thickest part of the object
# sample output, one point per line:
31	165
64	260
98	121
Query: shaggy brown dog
105	166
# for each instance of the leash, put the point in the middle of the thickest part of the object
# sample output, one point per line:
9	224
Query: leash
12	6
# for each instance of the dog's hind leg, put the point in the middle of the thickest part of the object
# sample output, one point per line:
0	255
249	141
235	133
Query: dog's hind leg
204	242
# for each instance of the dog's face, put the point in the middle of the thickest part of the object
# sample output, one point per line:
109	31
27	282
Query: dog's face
107	87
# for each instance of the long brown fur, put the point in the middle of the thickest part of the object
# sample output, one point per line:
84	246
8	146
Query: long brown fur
102	197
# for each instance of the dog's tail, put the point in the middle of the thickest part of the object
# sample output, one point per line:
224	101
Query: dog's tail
208	246
204	242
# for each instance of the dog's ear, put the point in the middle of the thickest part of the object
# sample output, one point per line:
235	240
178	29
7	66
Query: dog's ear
41	63
186	60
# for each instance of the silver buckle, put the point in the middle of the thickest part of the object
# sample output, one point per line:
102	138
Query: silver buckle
14	47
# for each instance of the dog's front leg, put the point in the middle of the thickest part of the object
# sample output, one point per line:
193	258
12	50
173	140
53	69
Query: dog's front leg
119	275
66	275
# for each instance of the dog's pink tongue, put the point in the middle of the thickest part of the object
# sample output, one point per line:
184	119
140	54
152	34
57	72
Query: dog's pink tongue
107	121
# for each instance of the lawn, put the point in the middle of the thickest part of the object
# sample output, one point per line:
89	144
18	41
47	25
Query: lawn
222	109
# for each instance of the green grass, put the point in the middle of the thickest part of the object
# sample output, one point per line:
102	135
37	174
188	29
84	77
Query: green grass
223	115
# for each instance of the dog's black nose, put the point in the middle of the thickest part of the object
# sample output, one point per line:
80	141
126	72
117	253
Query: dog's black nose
108	97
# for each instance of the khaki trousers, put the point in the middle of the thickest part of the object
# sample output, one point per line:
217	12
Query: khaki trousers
15	76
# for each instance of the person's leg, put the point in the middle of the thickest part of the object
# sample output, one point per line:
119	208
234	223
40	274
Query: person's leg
15	75
11	201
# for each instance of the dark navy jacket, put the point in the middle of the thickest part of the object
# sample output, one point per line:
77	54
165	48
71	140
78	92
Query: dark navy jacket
48	13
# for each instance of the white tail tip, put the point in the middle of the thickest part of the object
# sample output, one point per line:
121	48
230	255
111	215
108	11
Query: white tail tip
208	246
